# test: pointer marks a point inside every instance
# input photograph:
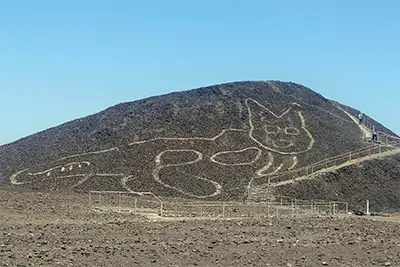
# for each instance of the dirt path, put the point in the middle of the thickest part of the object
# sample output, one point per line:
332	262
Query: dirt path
367	132
337	167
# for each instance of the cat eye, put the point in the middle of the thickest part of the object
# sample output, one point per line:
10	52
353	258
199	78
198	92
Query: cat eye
292	131
270	129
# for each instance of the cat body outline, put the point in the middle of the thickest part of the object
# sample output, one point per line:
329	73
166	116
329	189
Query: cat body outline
270	145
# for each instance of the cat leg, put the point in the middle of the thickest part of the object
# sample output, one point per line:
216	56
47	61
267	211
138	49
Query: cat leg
174	170
295	162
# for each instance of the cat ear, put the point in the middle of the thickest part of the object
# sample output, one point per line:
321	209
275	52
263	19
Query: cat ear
294	115
258	112
296	105
293	109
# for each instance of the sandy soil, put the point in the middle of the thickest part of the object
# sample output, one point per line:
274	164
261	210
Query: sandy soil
48	229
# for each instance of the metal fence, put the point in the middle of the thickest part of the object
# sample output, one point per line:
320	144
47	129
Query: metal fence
148	203
331	162
121	201
254	210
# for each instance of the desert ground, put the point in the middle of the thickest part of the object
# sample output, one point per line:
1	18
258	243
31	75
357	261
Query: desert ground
60	229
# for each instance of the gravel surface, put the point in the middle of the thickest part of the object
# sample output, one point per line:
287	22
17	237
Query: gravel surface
48	229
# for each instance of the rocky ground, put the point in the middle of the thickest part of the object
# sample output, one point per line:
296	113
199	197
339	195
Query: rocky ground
48	229
376	180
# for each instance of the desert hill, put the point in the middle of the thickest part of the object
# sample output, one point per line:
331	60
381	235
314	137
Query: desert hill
376	180
208	143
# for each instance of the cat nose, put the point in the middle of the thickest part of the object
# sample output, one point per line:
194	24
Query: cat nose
282	143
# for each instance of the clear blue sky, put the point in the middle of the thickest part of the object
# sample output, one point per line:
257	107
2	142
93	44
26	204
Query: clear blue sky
64	59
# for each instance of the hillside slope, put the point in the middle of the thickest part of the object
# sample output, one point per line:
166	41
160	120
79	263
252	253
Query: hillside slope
211	142
377	181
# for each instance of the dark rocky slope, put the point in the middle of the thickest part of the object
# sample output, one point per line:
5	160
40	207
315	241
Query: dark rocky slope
376	180
209	142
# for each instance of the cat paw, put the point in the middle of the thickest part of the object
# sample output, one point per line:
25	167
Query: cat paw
174	170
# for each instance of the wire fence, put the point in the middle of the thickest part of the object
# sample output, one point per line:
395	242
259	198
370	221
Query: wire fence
148	203
122	201
332	162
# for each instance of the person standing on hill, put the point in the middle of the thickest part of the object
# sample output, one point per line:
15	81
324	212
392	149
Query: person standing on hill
374	135
360	118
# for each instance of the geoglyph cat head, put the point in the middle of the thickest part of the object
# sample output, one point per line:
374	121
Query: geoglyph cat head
285	133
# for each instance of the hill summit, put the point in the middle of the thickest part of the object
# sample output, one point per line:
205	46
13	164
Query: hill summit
211	143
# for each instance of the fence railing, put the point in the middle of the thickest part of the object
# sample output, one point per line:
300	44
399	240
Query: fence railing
369	124
148	203
282	208
331	162
132	202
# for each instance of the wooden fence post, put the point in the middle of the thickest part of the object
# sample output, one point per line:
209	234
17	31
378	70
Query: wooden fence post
135	206
312	212
293	205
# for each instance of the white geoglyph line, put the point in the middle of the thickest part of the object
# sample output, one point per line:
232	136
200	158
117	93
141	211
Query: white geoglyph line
266	167
13	178
295	162
312	140
64	176
270	111
49	178
277	169
259	173
199	157
218	187
90	153
14	181
110	174
158	159
187	138
303	126
60	167
259	153
124	180
160	166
